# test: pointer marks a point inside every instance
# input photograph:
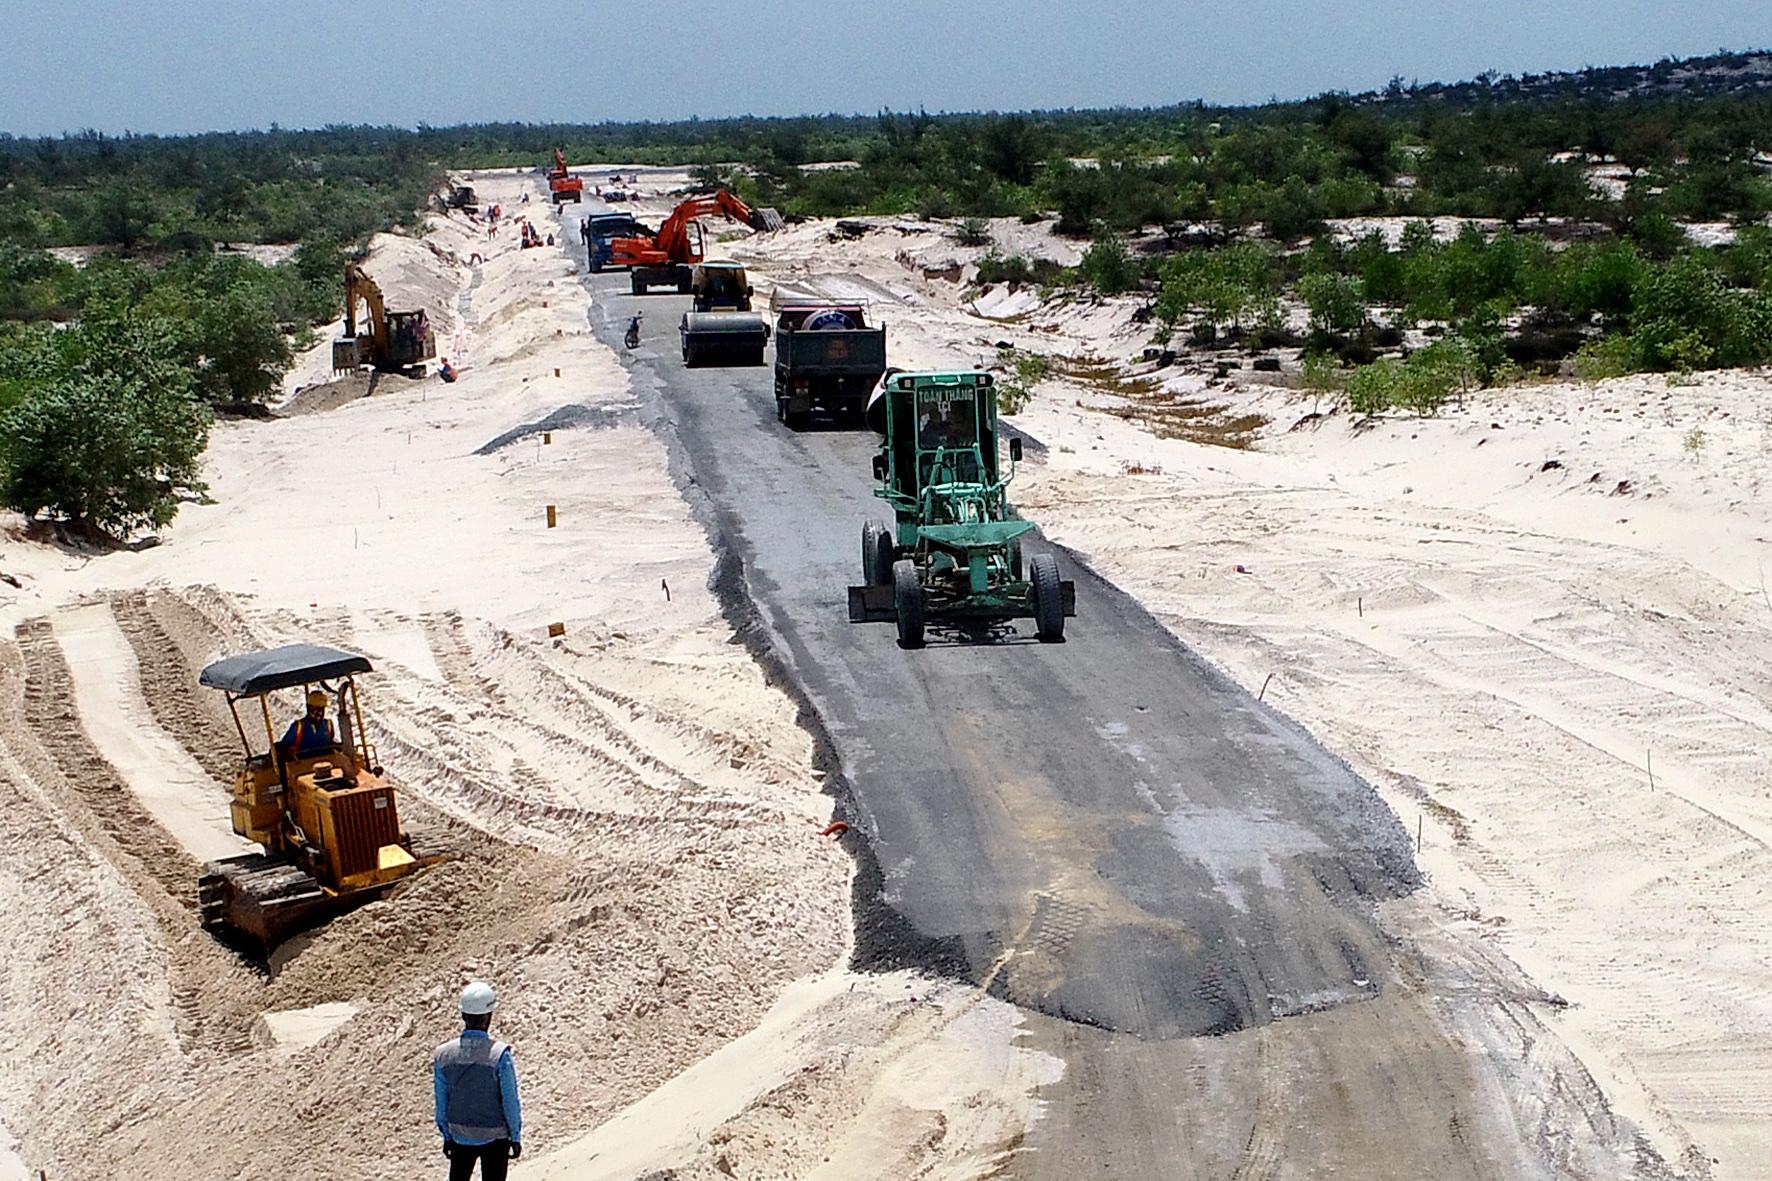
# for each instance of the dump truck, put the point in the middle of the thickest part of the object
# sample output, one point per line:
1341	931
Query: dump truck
600	230
394	342
952	553
325	817
562	185
826	359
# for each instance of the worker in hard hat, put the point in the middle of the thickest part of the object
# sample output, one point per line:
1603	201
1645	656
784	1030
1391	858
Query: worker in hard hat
311	734
475	1082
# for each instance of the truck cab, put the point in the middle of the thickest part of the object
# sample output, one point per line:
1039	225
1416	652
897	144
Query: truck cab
599	229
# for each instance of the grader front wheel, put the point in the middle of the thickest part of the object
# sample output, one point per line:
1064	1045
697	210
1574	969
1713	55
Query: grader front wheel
1048	596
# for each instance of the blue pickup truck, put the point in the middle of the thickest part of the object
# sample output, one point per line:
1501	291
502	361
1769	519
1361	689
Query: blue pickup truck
599	229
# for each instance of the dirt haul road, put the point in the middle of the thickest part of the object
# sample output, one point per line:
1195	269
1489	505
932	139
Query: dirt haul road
1212	923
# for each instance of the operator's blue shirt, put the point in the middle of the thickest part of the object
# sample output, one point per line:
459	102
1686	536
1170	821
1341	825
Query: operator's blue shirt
507	1089
307	736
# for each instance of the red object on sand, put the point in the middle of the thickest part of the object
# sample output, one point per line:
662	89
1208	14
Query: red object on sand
835	827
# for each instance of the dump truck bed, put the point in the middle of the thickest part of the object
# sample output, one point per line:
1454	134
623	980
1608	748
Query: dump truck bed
826	358
802	352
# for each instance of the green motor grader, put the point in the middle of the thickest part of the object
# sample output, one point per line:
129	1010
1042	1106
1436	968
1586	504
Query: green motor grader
953	552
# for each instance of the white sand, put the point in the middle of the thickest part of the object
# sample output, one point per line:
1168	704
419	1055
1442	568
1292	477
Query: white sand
169	783
297	1029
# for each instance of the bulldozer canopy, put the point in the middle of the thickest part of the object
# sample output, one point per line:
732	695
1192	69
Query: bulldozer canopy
281	668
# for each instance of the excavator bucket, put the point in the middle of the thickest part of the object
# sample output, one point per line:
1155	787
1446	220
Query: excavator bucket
766	219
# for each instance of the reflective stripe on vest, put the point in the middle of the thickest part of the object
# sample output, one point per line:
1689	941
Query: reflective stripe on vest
476	1109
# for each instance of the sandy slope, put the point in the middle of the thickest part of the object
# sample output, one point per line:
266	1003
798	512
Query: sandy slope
632	809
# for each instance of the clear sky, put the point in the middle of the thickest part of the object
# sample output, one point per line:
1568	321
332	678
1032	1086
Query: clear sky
149	65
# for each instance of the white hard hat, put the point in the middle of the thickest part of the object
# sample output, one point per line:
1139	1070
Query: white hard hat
478	999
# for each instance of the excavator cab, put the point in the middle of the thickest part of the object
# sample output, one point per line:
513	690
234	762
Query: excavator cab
326	818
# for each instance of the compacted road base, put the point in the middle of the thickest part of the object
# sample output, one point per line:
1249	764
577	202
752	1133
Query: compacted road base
1174	881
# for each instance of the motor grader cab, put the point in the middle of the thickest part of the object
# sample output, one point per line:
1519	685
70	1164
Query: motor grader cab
326	818
953	550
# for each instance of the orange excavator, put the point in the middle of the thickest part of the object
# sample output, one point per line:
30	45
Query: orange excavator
562	184
668	258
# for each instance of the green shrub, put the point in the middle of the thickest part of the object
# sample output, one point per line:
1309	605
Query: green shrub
1225	286
1422	383
1337	303
102	428
1109	267
1371	389
993	269
1026	371
1321	373
973	231
1607	357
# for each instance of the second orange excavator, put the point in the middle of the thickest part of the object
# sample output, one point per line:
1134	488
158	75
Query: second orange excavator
668	258
562	184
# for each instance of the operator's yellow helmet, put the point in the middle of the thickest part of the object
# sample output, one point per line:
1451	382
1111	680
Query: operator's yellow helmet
316	699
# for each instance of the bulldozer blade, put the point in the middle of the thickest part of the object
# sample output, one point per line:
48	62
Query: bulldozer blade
871	604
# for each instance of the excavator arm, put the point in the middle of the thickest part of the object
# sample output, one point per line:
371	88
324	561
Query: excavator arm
360	286
675	244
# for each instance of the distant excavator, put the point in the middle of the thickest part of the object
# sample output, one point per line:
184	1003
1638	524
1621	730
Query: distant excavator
393	342
562	184
668	258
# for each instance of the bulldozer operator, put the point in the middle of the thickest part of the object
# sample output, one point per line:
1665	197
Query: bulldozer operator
311	734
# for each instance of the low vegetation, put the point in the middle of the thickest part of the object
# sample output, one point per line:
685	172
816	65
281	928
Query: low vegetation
1217	216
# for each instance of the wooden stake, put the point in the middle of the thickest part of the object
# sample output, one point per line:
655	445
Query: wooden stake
552	517
1418	832
547	437
1649	762
556	630
667	589
1360	602
1263	694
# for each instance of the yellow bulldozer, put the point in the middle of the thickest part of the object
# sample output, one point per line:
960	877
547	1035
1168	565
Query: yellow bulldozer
322	810
393	342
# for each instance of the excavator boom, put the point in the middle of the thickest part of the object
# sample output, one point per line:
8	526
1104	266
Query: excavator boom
677	241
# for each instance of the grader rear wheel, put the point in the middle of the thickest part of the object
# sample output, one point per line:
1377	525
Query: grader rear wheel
877	554
907	601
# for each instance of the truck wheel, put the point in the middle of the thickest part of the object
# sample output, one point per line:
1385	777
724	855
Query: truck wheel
877	554
638	286
1048	599
907	601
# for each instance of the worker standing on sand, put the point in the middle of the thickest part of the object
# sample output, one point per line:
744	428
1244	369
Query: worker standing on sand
475	1080
310	734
